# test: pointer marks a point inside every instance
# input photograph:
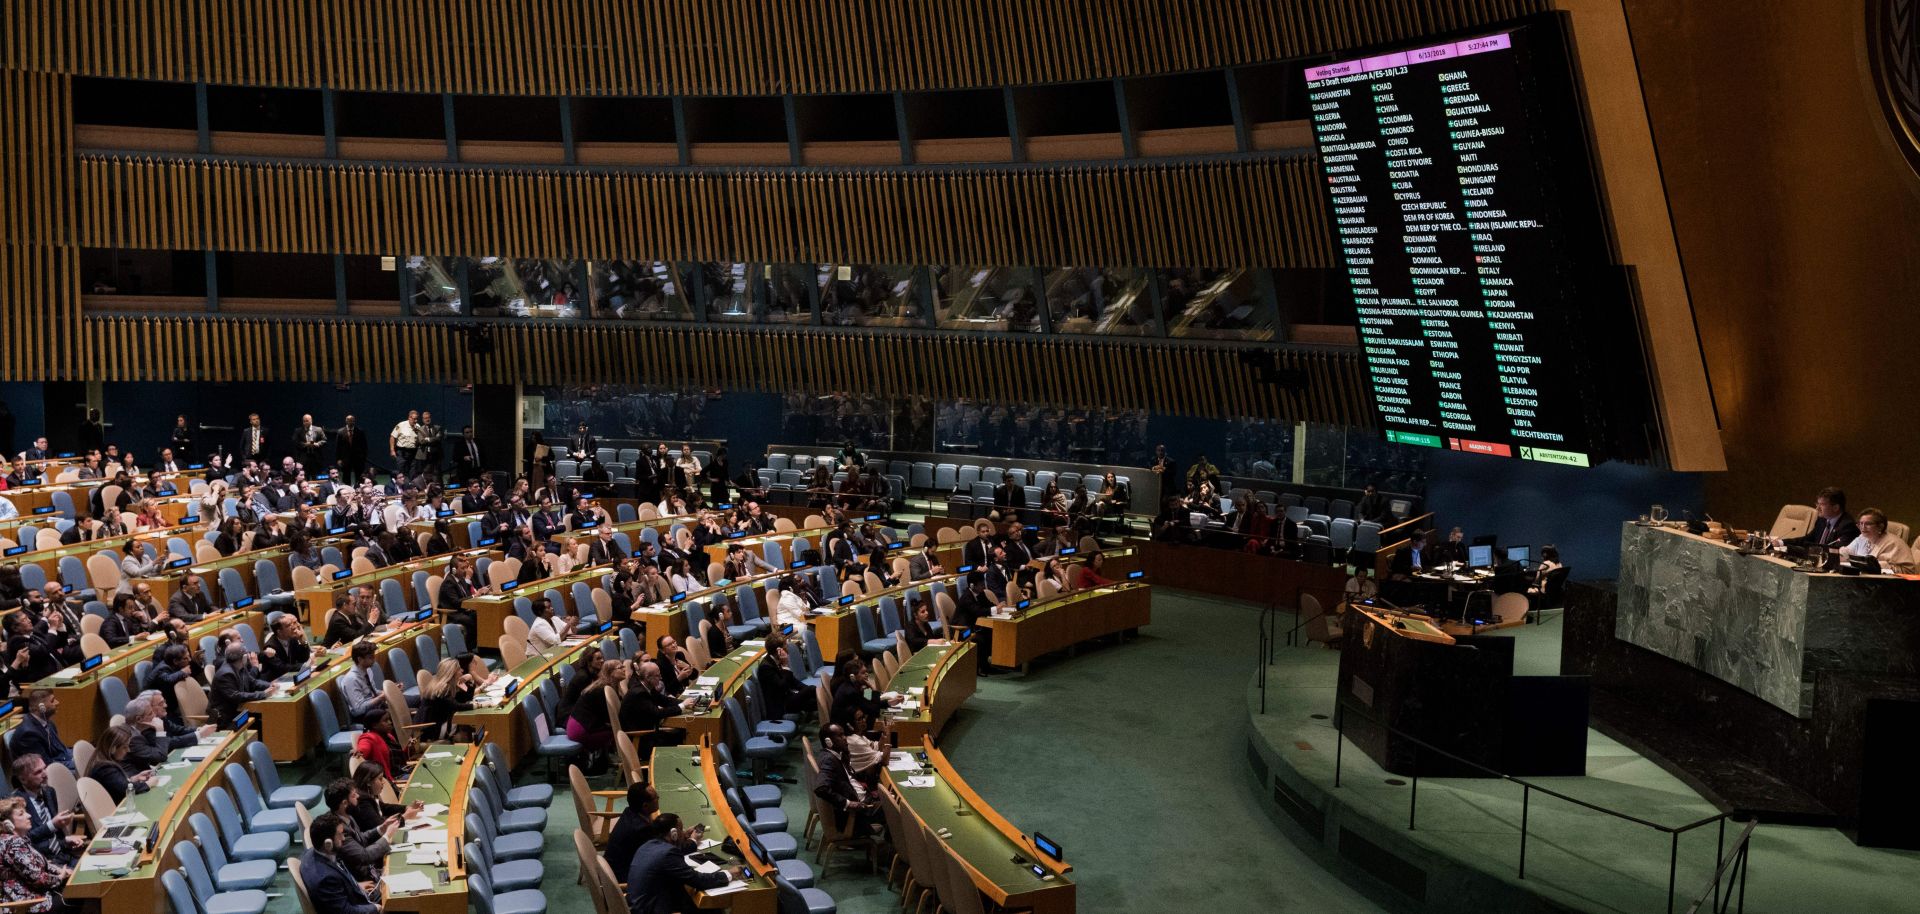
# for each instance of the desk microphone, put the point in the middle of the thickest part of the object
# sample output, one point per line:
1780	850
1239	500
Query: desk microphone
703	793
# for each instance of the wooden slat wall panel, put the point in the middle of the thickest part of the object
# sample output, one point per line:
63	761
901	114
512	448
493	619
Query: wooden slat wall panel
1266	212
39	271
1187	379
703	47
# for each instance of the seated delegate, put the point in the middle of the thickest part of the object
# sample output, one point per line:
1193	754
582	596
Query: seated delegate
1874	540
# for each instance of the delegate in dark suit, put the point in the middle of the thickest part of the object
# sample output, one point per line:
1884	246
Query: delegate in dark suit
331	887
658	880
45	838
1838	531
234	686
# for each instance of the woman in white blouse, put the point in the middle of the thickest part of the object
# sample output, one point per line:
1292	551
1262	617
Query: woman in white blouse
1874	540
547	629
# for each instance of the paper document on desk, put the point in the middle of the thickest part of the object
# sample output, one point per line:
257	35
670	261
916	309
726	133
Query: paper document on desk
917	691
197	753
440	755
909	705
728	889
702	866
402	883
919	781
434	837
135	817
109	861
902	762
707	682
433	809
426	856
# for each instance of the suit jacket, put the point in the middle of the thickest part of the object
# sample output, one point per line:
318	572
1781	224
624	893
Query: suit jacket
187	607
645	709
288	656
151	748
1403	560
1837	532
1008	495
33	736
468	458
1446	552
604	552
658	878
253	442
231	689
455	591
350	446
332	887
583	444
836	784
118	630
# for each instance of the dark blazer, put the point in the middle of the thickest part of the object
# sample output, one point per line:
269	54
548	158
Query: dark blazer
1008	495
189	608
118	630
288	656
151	748
1444	552
1403	560
836	783
779	689
644	709
332	887
658	879
455	591
34	736
231	689
350	446
113	776
346	627
603	553
1837	532
629	832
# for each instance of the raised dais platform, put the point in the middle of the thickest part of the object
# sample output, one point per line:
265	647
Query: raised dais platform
1454	845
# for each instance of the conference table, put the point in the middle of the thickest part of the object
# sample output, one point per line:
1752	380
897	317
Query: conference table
724	679
316	601
491	610
1045	626
836	626
442	780
815	537
459	535
83	713
670	617
502	718
688	780
49	559
938	678
287	722
996	856
129	882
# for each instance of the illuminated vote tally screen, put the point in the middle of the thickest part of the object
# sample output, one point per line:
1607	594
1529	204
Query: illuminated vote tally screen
1446	235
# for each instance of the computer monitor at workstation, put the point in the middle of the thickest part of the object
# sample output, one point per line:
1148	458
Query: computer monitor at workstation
1521	554
1480	556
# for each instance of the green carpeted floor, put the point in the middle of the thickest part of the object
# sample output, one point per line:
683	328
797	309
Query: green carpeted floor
1132	756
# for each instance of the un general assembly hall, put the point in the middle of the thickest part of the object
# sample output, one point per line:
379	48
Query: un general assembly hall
959	456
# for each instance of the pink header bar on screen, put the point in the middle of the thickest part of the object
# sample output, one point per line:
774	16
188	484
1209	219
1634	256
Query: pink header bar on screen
1433	54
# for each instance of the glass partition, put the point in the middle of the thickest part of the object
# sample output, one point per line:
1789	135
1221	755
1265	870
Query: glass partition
639	290
789	299
1043	433
526	287
985	298
731	291
1221	304
870	295
617	412
1113	301
1259	449
837	418
433	286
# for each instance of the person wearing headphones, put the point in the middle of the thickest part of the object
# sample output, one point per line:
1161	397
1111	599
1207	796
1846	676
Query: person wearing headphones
330	885
658	878
24	871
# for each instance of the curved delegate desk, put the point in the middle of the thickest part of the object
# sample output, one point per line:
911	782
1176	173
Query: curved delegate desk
1050	625
189	773
986	843
442	781
689	787
287	724
937	680
83	714
723	680
323	596
836	627
500	714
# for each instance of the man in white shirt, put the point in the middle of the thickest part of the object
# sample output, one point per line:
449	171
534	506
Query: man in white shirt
1874	540
402	442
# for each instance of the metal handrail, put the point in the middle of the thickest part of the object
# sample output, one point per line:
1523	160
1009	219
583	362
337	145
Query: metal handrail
1733	869
1347	703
